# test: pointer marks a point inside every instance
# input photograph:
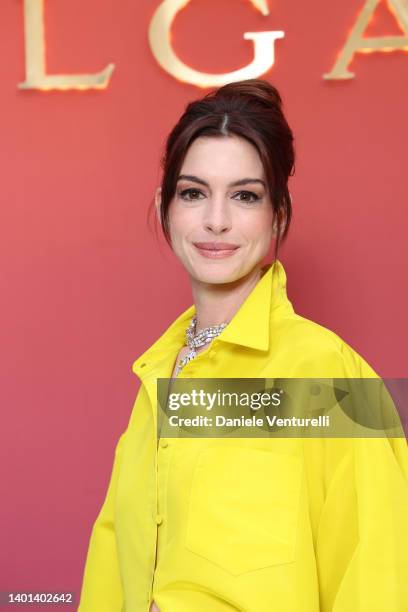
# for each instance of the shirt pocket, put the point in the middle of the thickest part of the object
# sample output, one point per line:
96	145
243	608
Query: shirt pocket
244	508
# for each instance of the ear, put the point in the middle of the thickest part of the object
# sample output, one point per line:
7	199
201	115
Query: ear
157	202
275	226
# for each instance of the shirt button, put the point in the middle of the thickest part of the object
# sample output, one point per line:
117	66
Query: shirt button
163	443
159	519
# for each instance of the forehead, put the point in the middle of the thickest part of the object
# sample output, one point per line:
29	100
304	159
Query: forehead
222	158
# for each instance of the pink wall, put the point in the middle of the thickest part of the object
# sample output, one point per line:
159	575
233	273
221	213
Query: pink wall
85	286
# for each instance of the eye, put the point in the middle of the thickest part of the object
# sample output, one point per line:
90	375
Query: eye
190	194
248	195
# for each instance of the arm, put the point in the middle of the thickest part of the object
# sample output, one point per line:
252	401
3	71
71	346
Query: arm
362	538
101	586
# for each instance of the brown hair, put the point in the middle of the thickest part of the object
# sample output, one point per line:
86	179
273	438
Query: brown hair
251	109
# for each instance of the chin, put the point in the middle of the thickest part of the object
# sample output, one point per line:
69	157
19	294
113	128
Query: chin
218	273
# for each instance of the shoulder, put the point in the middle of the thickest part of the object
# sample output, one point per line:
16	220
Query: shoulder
320	350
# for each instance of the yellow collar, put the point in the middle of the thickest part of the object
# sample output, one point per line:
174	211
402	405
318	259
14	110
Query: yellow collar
251	324
249	327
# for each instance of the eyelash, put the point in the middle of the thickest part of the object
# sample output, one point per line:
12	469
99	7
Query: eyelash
183	193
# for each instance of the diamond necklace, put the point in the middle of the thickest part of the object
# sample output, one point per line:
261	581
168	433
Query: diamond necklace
195	340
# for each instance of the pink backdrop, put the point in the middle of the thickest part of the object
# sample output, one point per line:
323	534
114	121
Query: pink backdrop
85	285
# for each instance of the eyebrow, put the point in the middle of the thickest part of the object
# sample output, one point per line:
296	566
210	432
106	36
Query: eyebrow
244	181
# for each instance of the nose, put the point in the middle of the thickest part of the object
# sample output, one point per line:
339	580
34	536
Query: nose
217	216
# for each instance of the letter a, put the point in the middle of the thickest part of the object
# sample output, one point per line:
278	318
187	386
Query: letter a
356	42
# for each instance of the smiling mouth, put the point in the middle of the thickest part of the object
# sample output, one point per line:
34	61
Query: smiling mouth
214	246
212	250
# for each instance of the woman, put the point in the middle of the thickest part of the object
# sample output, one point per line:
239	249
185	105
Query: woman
254	524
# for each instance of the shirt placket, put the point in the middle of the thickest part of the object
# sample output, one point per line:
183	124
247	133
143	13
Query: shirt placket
163	455
162	463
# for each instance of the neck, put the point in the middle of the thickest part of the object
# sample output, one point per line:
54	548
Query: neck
218	303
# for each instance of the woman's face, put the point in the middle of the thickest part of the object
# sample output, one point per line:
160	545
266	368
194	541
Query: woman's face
221	215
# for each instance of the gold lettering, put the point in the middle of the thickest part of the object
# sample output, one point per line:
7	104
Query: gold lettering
160	44
36	76
356	42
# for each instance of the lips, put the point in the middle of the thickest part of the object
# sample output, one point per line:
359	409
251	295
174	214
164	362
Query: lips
216	250
216	246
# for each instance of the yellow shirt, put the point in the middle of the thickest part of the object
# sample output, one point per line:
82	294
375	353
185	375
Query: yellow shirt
253	525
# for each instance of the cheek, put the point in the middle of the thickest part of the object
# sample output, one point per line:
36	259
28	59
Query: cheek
181	222
258	227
